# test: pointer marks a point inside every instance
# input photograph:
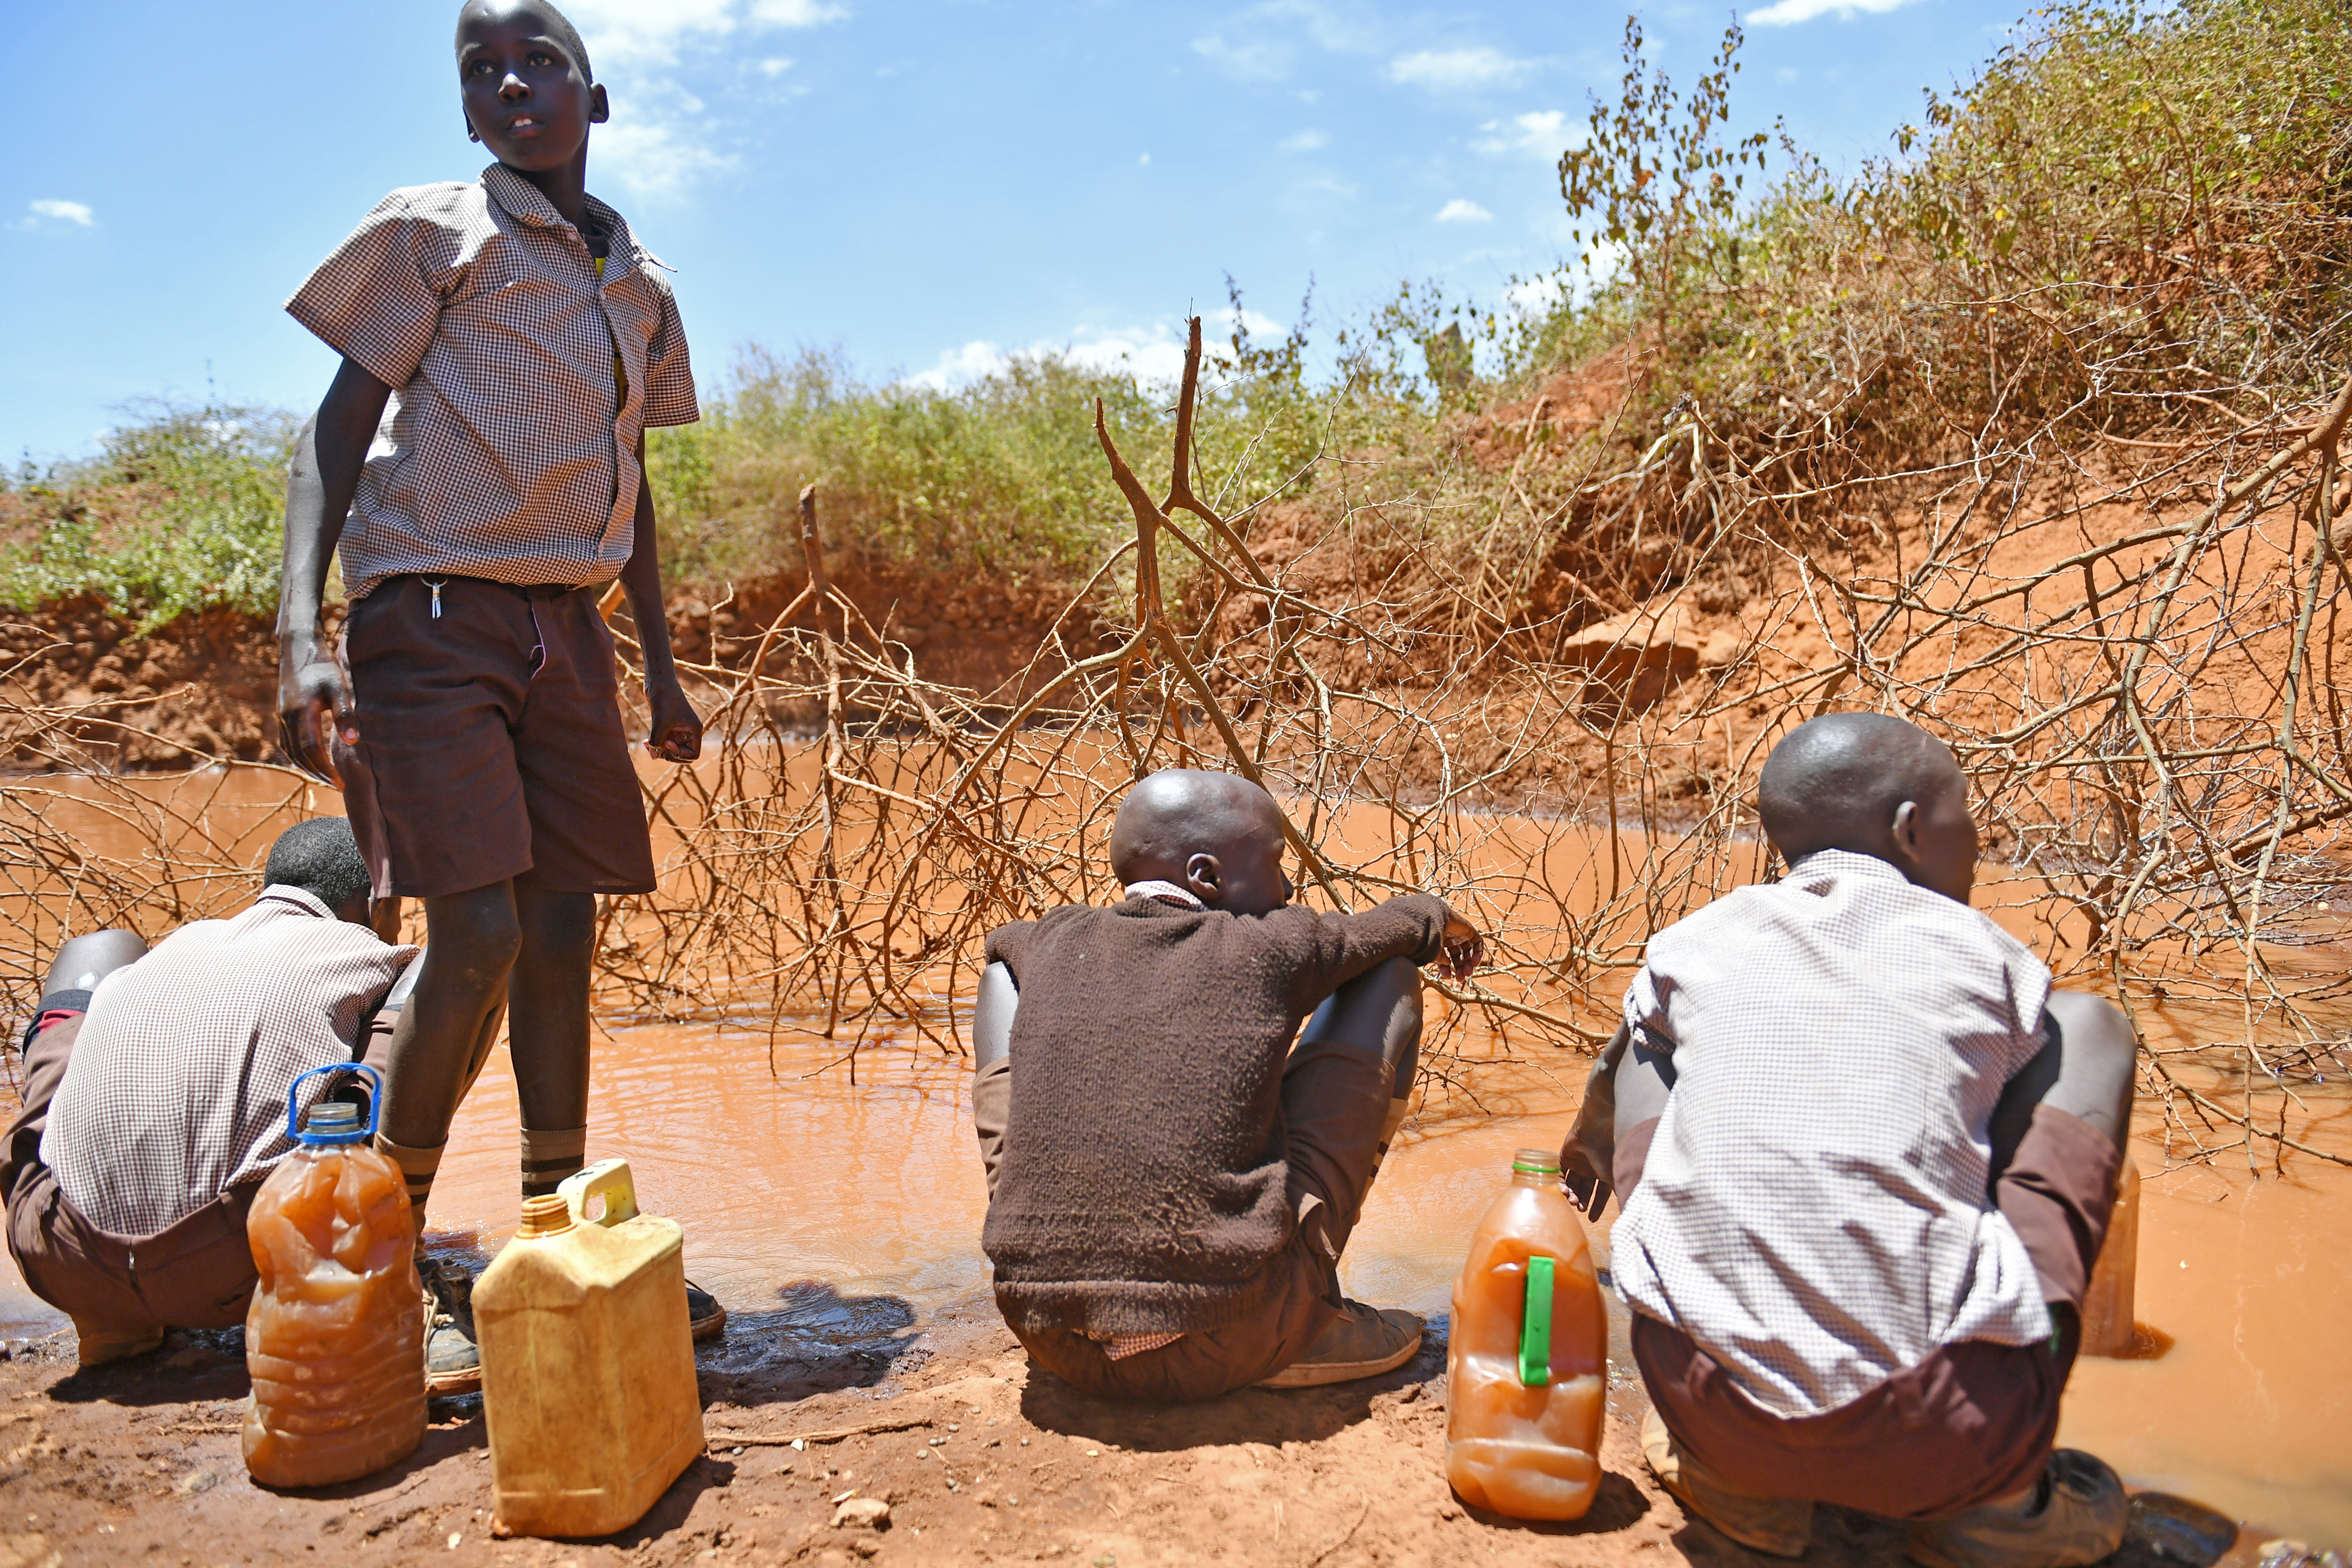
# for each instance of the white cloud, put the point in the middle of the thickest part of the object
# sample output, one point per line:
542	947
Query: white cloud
1142	160
1260	43
1788	13
1448	70
60	210
796	13
1264	60
1542	133
655	160
661	138
1304	142
1153	355
1460	210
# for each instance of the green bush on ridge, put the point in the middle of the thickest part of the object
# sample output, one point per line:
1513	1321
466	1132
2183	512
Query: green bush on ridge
2130	218
179	512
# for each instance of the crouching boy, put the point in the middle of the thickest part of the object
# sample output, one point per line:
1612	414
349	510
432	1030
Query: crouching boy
1866	1158
1171	1179
156	1087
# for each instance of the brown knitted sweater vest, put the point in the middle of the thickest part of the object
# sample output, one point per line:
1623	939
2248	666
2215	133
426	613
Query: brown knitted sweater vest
1145	1188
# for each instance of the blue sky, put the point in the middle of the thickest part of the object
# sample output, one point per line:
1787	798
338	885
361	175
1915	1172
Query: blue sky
926	184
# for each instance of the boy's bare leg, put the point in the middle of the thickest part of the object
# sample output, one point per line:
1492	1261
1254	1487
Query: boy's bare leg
471	942
1380	1010
547	996
2085	1069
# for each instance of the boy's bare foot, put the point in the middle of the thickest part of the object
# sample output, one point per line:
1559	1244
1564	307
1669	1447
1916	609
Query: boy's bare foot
1362	1341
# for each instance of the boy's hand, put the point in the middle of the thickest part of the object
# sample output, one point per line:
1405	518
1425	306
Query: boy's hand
1465	950
677	730
310	696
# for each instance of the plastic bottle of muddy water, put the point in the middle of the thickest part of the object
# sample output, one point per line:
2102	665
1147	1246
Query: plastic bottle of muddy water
587	1361
335	1337
1526	1370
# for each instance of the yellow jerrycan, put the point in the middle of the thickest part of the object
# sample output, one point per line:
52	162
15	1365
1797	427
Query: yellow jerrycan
335	1337
587	1364
1526	1364
2107	1301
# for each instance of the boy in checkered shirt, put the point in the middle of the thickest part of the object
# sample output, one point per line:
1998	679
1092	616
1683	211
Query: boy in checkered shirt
1866	1158
522	341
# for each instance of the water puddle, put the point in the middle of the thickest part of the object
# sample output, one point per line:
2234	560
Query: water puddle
832	1218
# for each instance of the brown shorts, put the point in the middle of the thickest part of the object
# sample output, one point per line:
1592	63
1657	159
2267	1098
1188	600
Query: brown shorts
492	742
1971	1422
1334	1099
198	1274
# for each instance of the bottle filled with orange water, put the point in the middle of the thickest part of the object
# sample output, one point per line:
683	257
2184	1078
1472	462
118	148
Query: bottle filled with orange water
335	1337
588	1383
1526	1371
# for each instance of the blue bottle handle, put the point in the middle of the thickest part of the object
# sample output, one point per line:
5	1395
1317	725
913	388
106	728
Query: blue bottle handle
358	1134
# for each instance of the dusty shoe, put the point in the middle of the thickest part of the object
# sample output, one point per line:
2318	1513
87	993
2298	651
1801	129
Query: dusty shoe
1769	1525
705	1318
97	1346
1362	1341
453	1363
2076	1515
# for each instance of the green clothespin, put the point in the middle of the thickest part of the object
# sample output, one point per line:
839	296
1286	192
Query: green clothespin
1535	1326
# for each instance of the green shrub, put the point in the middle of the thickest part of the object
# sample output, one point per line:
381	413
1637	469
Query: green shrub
182	511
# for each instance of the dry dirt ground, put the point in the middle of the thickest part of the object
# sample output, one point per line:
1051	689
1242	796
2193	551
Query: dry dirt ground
980	1459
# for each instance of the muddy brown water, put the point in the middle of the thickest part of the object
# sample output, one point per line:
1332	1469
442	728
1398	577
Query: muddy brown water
816	1206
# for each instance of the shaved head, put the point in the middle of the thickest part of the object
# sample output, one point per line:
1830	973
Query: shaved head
557	25
1873	785
1217	833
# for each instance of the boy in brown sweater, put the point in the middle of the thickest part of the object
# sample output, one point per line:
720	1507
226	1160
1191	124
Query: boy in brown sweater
1171	1179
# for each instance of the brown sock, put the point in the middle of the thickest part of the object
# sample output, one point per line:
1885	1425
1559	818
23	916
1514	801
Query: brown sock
549	1157
417	1168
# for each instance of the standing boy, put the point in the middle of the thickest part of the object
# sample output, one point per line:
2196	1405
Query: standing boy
523	341
1866	1156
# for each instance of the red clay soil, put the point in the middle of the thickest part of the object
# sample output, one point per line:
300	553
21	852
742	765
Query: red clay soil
982	1461
204	687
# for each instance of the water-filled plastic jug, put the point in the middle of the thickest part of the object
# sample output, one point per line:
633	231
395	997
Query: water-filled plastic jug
335	1337
587	1362
2107	1305
1526	1369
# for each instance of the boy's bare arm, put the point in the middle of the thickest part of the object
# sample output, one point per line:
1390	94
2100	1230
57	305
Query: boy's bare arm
328	456
676	734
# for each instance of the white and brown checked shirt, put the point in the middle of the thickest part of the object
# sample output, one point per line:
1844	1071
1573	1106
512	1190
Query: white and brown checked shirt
509	449
1814	1209
176	1090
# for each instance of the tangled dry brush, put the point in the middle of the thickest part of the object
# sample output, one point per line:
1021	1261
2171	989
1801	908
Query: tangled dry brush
2132	648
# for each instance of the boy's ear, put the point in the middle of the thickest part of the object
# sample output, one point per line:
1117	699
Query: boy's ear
1904	828
600	108
1204	874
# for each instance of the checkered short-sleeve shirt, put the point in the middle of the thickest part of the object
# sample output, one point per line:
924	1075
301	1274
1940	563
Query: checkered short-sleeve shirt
176	1091
509	449
1814	1209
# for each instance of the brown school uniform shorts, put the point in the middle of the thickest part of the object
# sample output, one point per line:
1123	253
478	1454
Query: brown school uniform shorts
198	1274
491	741
1973	1421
